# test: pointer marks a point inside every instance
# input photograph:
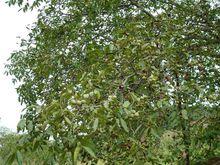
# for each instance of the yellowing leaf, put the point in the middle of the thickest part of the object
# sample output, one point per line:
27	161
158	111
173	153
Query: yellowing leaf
95	124
100	162
126	104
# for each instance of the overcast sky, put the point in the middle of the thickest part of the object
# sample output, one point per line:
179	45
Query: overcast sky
12	24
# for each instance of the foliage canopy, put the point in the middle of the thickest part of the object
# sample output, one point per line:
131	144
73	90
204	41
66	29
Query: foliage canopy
121	81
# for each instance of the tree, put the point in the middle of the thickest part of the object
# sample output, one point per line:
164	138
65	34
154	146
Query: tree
11	151
121	81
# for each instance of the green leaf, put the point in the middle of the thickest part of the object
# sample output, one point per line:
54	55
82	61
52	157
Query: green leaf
134	97
21	124
19	157
30	126
10	159
153	132
124	125
76	153
95	124
139	162
184	114
83	76
111	48
88	145
89	150
67	120
97	93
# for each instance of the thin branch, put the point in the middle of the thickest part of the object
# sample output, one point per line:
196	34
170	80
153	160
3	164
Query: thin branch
135	3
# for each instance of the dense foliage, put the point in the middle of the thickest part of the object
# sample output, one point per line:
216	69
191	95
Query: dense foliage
121	81
11	153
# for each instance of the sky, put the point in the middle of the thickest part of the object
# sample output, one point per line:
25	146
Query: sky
12	25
